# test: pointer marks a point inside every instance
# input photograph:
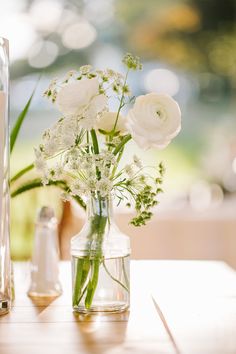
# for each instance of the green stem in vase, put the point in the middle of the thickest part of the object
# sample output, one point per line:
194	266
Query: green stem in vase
113	278
125	275
78	280
89	268
82	271
92	285
101	222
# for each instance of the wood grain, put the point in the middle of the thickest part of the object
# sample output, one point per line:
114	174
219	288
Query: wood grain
50	326
199	305
177	307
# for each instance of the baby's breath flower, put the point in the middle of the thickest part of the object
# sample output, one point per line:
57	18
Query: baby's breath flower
53	83
68	140
161	168
38	153
116	140
99	72
85	69
58	171
65	197
77	188
40	164
137	161
129	171
104	186
69	75
110	73
126	90
91	184
50	147
132	62
45	179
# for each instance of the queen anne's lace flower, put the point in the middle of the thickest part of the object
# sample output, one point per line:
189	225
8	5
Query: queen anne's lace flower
51	146
85	69
137	162
40	164
104	186
129	171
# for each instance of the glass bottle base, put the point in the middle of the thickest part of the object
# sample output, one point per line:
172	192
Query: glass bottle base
50	294
112	307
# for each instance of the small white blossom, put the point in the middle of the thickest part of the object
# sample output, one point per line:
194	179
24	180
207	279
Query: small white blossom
129	171
65	196
77	188
104	186
116	140
40	164
51	147
99	72
45	179
68	140
58	171
85	69
108	157
137	161
87	166
91	184
38	153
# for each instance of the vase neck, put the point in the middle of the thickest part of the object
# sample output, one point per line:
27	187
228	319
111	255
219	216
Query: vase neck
99	206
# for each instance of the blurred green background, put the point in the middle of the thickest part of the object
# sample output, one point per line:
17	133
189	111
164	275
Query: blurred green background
188	49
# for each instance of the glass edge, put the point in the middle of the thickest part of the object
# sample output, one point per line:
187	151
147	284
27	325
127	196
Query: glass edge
5	41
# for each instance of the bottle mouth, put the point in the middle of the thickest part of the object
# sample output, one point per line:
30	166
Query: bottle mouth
46	214
4	42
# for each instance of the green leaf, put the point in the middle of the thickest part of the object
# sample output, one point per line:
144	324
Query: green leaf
95	141
15	130
125	139
37	183
22	172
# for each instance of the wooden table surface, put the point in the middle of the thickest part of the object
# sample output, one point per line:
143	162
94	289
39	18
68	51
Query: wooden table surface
176	307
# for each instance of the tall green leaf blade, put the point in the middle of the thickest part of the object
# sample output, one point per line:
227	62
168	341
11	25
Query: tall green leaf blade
19	121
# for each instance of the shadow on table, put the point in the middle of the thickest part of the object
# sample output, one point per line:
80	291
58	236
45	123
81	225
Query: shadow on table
102	333
41	303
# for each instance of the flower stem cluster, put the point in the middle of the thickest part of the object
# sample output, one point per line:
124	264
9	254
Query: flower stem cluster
132	62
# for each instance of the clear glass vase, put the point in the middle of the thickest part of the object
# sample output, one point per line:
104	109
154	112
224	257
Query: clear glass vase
100	262
5	262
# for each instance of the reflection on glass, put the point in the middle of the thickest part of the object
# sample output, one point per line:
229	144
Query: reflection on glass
5	272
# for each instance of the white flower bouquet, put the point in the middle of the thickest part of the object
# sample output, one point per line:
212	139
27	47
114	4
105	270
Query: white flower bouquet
71	150
81	153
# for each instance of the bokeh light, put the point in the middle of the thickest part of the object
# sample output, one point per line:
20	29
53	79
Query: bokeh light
79	35
46	14
162	81
42	54
18	29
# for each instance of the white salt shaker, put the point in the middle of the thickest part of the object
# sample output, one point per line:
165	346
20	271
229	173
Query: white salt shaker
45	259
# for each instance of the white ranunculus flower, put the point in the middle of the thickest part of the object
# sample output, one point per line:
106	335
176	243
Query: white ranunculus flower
82	98
107	120
75	96
154	120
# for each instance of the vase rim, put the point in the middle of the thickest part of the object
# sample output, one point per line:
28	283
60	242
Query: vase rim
4	39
